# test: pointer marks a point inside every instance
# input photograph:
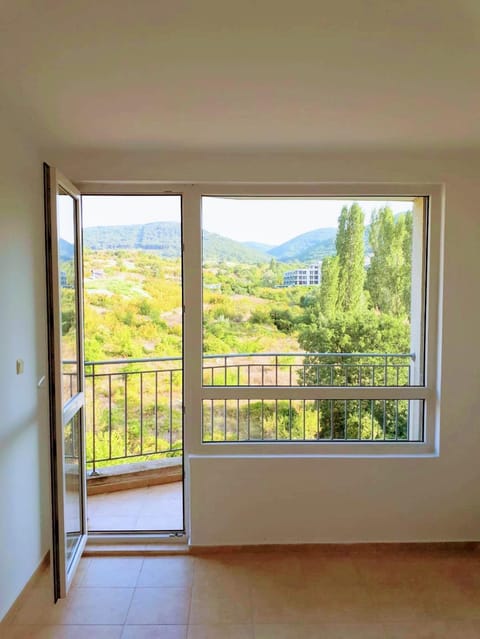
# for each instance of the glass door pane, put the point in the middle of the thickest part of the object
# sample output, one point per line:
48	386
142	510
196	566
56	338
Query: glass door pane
73	487
65	337
68	287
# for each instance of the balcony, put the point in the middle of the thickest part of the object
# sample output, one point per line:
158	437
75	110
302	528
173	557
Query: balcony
134	412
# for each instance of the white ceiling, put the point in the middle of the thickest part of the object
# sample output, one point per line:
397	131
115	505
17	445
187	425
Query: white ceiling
229	74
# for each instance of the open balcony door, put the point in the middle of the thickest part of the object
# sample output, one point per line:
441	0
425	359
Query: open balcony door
66	375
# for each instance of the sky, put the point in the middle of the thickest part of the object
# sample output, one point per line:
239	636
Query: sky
268	221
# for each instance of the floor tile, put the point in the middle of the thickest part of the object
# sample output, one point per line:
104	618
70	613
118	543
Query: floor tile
82	568
36	608
469	630
154	632
431	630
319	631
107	522
221	631
264	595
93	606
403	603
64	632
159	522
152	606
112	571
150	508
225	575
279	603
173	572
208	608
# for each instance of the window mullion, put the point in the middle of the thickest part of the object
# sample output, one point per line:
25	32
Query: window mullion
192	314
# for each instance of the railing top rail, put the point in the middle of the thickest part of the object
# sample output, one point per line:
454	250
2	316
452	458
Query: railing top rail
304	354
238	355
132	360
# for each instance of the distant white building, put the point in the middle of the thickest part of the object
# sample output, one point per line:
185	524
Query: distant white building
309	276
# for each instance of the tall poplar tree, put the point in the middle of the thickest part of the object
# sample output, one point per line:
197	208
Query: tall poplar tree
388	278
351	258
328	299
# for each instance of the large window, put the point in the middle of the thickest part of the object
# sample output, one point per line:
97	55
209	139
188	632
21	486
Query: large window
314	319
310	318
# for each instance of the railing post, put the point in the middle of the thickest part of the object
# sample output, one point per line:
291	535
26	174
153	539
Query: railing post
94	472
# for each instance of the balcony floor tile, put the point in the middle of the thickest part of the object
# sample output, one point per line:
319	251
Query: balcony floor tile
149	508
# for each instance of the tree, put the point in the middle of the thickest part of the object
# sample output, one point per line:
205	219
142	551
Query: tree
351	258
388	277
328	298
355	333
365	332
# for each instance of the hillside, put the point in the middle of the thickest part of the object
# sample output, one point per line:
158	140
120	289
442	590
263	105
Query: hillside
219	248
133	307
65	250
259	246
164	238
313	245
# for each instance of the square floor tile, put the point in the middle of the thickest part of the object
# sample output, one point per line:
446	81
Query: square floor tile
172	572
221	631
112	571
154	632
153	606
63	632
93	606
212	609
319	631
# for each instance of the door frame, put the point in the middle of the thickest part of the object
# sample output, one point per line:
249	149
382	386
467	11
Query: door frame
61	413
127	189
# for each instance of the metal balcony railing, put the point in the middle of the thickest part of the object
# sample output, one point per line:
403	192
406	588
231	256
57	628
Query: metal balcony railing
134	407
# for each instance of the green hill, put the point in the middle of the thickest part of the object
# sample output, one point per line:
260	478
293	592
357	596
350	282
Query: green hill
313	245
164	238
259	246
65	250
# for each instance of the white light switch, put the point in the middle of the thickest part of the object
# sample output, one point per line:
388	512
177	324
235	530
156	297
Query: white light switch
20	366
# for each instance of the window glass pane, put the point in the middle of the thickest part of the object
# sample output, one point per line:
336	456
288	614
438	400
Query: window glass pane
66	212
73	498
313	292
259	420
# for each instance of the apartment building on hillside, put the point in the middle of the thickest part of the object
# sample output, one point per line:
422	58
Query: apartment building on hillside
309	276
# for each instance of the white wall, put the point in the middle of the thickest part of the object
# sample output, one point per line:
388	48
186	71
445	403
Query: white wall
24	456
250	501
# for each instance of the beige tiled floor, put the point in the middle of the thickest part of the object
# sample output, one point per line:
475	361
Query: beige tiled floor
151	508
299	594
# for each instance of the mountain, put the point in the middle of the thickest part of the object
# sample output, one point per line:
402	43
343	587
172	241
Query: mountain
165	239
259	246
217	248
307	247
65	250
